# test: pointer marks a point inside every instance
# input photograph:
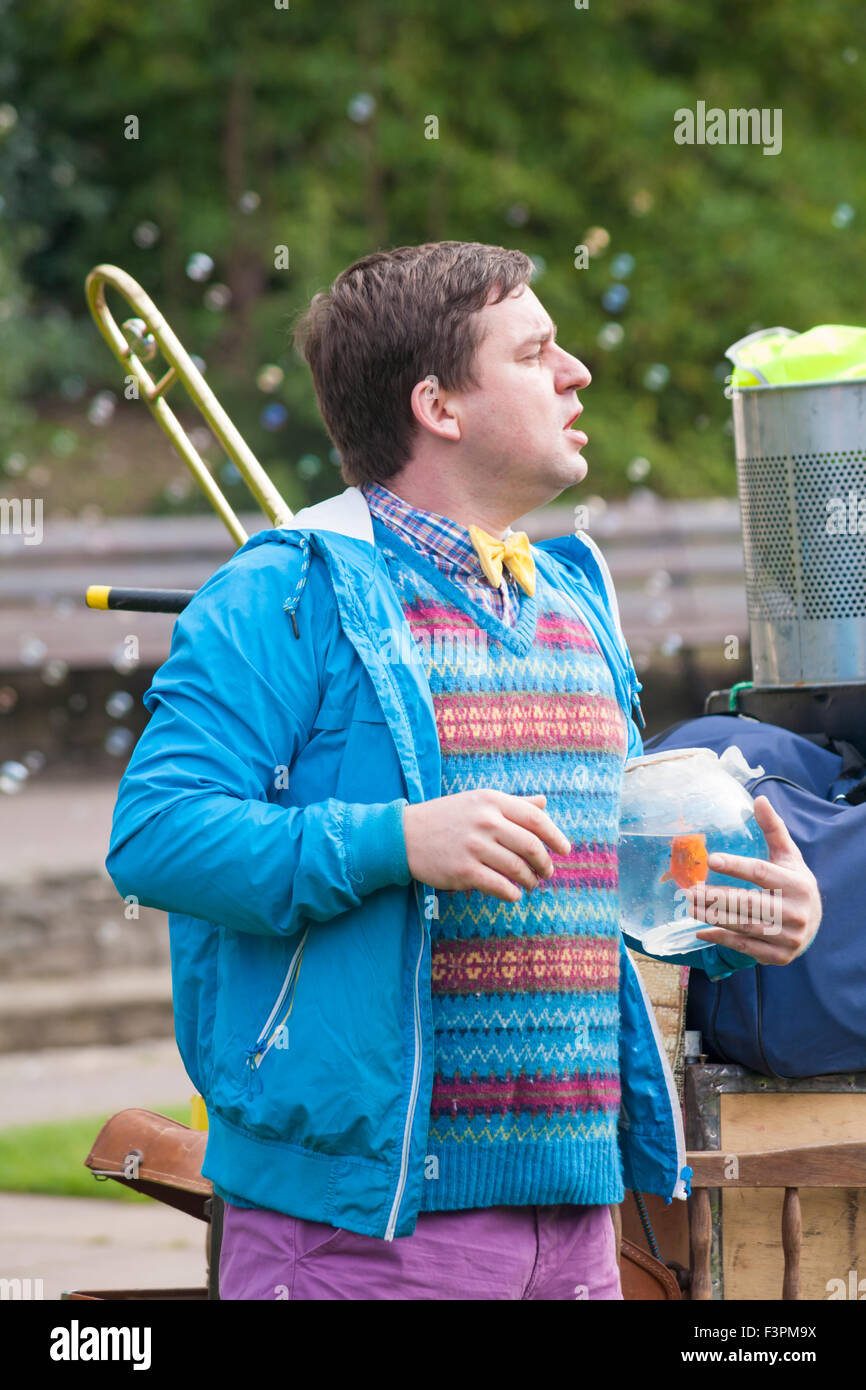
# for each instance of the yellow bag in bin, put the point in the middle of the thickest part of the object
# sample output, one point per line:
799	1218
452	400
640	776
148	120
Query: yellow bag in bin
779	356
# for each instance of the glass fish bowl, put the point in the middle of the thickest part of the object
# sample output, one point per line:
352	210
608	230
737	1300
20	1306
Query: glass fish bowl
677	808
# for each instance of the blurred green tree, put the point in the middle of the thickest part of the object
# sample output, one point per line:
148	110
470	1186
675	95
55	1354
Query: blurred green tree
283	143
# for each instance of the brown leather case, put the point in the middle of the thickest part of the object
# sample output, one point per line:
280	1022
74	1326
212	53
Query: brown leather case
643	1277
156	1155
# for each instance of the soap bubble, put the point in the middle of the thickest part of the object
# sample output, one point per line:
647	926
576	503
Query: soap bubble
34	761
230	474
31	650
657	583
178	489
843	215
850	55
198	362
145	235
15	464
610	336
540	266
73	387
63	174
117	742
8	117
335	457
217	297
596	240
199	266
274	416
13	775
615	299
517	215
201	439
660	611
641	202
249	201
309	466
268	378
139	339
122	662
54	672
671	643
637	469
8	698
63	443
118	704
101	408
656	377
77	702
622	266
361	107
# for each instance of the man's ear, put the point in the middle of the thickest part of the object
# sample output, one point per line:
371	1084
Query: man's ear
433	410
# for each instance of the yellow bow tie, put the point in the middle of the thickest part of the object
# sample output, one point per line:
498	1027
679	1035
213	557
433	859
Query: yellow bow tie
514	551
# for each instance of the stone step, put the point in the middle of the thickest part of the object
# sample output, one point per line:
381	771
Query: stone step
104	1008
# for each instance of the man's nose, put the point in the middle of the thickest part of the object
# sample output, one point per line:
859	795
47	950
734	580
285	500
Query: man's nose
575	375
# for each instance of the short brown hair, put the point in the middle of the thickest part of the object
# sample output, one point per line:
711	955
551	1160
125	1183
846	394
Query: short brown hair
388	321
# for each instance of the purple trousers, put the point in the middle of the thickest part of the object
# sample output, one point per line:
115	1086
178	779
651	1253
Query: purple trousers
553	1252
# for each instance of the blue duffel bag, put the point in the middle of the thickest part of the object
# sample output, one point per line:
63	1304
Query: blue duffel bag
807	1018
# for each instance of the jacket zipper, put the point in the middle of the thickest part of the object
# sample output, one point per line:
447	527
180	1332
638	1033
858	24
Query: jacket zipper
413	1098
259	1050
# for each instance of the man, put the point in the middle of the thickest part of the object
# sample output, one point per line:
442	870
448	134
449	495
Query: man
378	795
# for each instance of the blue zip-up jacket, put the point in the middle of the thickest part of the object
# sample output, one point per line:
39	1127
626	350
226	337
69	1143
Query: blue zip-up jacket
262	809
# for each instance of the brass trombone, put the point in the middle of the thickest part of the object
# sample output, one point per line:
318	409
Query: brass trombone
133	343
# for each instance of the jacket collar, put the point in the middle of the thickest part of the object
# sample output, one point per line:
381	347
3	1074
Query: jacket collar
347	513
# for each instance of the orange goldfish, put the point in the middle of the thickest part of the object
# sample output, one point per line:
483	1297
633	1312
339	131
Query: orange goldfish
689	863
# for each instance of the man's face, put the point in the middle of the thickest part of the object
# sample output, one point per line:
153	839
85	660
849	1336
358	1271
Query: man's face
514	426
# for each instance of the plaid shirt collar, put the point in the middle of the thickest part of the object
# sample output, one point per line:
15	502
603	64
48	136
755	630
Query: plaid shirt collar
428	531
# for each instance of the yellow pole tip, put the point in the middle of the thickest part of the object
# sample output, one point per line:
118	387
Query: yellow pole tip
97	595
198	1113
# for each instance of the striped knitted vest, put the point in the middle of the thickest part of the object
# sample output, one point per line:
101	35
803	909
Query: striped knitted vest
525	995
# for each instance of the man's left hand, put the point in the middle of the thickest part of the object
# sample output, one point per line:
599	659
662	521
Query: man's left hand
775	924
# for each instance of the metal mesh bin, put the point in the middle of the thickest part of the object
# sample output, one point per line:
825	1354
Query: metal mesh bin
801	472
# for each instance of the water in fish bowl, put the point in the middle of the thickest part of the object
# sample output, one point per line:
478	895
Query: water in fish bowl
656	869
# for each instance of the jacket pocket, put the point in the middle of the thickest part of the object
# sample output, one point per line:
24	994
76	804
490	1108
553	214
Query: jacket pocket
365	710
274	1028
333	717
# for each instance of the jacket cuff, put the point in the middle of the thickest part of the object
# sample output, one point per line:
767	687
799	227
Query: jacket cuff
734	960
376	845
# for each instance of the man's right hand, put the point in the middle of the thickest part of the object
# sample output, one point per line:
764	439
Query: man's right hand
482	839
